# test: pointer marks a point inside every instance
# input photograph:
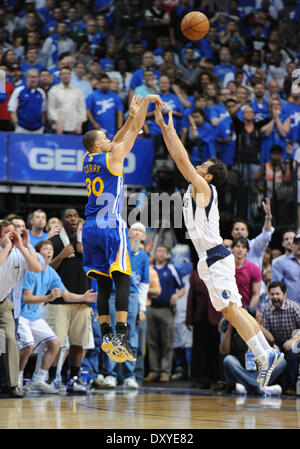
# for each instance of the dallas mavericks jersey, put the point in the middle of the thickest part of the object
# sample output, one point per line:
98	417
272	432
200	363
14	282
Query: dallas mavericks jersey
202	223
105	188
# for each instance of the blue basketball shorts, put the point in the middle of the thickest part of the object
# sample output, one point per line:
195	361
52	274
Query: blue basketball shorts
105	249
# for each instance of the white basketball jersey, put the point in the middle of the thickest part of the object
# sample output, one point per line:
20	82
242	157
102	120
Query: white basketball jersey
202	223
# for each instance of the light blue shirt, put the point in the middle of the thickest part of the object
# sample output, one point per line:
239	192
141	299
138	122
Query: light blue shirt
257	247
287	269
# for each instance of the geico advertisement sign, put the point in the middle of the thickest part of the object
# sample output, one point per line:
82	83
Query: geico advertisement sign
64	159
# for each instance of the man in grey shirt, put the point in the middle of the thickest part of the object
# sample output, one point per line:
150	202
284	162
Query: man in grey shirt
16	254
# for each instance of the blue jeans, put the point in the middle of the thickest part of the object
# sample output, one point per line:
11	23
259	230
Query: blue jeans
233	371
91	361
125	369
290	374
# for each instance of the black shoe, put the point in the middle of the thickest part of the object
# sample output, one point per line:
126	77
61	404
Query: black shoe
121	340
16	392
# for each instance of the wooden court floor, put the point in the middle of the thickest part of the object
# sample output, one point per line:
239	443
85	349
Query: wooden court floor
150	408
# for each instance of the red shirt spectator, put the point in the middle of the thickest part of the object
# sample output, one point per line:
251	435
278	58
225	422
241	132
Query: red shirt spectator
5	121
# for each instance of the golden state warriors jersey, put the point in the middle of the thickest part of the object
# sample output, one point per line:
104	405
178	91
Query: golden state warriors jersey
105	189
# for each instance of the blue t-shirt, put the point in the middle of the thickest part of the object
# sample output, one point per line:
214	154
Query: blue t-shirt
30	107
34	240
170	280
138	77
103	107
223	130
25	67
40	284
218	111
221	70
139	269
292	110
172	102
261	111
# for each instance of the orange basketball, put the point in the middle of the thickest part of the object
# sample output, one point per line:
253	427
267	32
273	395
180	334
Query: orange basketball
195	25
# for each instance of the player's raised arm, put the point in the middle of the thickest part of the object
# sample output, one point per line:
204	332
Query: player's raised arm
123	145
133	108
179	153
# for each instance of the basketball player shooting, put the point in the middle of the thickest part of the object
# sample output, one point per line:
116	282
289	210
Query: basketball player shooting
105	234
216	266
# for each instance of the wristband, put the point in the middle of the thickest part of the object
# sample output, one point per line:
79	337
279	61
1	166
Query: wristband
268	218
132	115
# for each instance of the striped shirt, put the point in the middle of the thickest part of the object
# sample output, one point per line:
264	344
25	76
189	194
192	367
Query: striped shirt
282	321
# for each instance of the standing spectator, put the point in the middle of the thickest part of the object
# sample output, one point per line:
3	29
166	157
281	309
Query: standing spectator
258	244
15	256
66	105
156	23
204	319
57	43
160	318
27	105
67	319
274	132
282	318
202	138
226	137
224	66
33	331
78	79
38	222
16	76
219	111
171	101
259	103
139	284
138	75
105	108
31	61
123	73
154	290
287	269
5	117
287	241
148	86
248	275
238	362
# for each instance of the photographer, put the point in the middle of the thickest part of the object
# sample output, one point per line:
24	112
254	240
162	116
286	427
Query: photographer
16	254
238	362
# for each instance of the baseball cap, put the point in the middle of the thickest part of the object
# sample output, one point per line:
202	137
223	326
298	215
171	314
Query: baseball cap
296	238
15	67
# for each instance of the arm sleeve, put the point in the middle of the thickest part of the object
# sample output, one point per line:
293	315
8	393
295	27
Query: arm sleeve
260	243
277	271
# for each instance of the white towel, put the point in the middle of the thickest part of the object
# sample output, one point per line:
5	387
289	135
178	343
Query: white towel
65	239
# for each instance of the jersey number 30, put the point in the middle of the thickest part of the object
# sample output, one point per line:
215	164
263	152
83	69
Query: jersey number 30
94	186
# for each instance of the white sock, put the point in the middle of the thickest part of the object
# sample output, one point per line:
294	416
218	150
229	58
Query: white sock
20	379
263	341
256	347
41	375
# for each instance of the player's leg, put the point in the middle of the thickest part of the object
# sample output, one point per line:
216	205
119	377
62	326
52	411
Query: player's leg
122	285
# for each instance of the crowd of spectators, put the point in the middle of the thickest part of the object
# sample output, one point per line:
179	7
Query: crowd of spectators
72	66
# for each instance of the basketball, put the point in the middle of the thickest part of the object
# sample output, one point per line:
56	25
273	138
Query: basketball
195	25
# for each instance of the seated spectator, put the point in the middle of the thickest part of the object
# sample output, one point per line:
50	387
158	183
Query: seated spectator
248	275
238	363
218	111
225	135
282	318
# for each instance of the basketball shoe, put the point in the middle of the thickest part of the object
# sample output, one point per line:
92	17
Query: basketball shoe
107	336
75	386
266	365
124	348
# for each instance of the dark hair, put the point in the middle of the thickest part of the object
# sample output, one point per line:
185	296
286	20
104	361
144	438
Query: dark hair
279	284
39	245
230	100
16	217
241	240
64	68
239	220
104	76
198	111
89	138
218	170
276	149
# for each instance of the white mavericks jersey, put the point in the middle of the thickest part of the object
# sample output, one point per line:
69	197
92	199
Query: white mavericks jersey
216	266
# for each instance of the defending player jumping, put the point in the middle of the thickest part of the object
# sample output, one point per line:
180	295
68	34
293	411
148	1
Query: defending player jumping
216	263
105	235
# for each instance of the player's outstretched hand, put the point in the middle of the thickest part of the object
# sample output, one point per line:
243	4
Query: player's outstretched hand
135	104
160	120
152	98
